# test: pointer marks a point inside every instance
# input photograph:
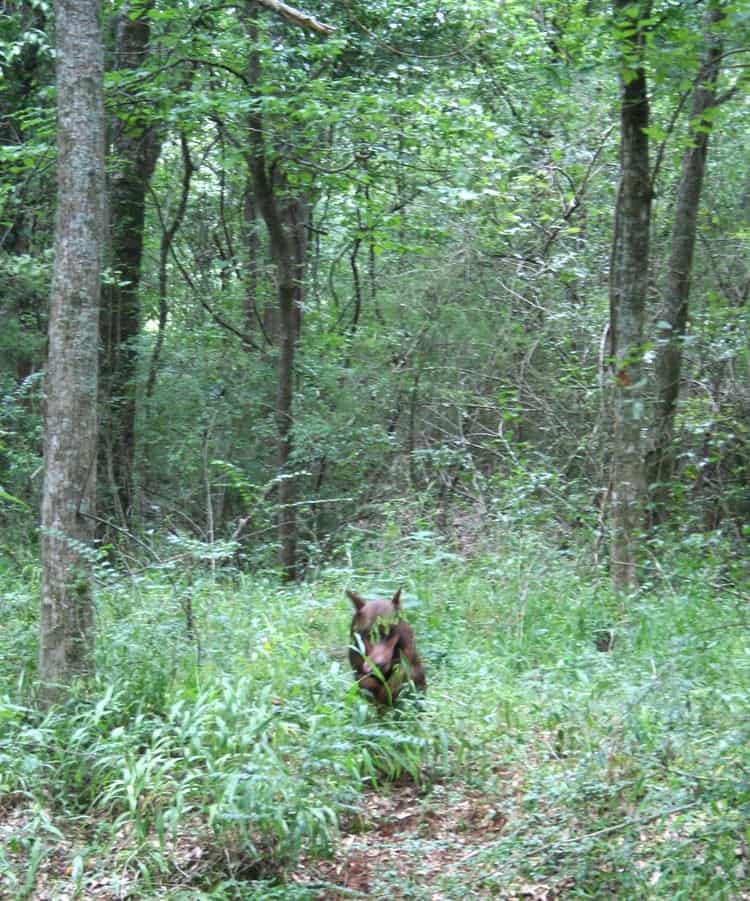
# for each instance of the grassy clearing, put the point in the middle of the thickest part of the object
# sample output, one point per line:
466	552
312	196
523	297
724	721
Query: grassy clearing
243	765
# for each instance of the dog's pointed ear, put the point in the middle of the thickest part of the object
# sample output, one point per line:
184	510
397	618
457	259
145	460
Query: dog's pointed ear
396	601
358	601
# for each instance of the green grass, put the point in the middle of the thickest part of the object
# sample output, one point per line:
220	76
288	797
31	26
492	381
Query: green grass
211	768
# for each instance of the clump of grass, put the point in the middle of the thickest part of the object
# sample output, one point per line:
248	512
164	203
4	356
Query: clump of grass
214	760
257	762
633	761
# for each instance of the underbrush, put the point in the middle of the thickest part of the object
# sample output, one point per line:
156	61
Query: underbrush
212	763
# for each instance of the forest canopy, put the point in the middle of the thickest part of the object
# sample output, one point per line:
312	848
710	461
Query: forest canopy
343	268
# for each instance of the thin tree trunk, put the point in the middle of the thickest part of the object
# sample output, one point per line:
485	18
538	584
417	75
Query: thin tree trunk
135	148
253	321
285	219
167	239
284	425
70	436
673	316
628	287
24	73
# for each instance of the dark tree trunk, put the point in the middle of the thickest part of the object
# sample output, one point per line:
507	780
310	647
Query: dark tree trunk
674	313
24	211
286	217
252	242
285	228
70	436
628	287
135	149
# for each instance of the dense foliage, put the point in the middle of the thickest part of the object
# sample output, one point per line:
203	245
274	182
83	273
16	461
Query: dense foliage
458	181
234	763
357	328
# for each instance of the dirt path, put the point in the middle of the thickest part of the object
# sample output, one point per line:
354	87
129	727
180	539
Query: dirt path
406	844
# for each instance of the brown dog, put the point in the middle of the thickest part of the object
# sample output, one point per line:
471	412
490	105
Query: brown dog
382	653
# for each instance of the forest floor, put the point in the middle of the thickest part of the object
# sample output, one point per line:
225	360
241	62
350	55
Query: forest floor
542	764
403	842
407	840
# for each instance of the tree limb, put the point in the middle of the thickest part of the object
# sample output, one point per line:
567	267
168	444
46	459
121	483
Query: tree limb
296	16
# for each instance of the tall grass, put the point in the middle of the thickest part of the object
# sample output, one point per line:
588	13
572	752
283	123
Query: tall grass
210	763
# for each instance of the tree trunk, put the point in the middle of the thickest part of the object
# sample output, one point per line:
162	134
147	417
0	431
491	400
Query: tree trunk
165	247
628	287
24	75
673	315
284	425
135	148
69	491
286	218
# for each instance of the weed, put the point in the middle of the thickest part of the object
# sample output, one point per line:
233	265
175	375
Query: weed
536	759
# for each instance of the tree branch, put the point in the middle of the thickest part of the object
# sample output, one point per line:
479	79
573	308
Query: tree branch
296	16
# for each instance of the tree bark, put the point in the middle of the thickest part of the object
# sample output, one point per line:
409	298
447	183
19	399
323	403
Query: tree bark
672	324
628	287
24	75
135	149
70	436
253	321
286	218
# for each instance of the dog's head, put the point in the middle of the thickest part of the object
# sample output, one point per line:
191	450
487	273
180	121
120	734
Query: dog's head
367	614
375	634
